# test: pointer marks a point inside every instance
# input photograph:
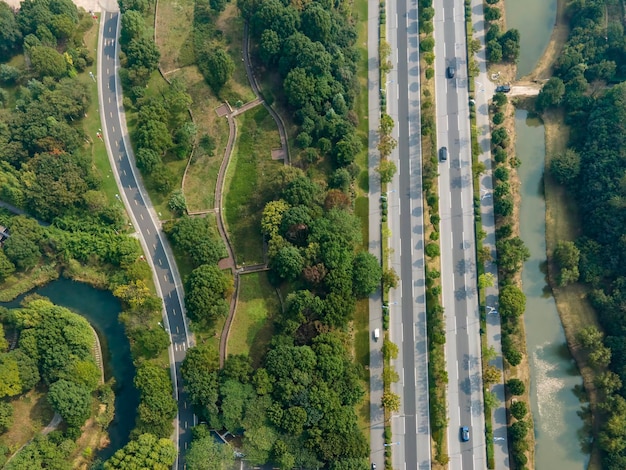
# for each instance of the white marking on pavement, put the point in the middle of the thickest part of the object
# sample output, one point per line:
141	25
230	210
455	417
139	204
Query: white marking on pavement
165	278
109	99
154	247
110	112
160	262
124	171
141	215
136	203
108	73
113	129
177	331
174	311
148	230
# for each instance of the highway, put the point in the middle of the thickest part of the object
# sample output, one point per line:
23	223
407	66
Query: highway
411	426
457	240
143	216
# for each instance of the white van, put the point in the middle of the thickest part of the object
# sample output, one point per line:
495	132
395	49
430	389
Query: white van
376	334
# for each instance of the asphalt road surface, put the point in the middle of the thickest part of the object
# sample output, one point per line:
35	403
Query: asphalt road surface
457	239
142	214
411	426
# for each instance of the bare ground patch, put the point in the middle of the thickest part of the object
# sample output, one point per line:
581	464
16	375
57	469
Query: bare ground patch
174	28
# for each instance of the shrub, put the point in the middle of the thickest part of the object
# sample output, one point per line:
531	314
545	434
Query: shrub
432	250
501	173
498	118
430	73
515	387
519	409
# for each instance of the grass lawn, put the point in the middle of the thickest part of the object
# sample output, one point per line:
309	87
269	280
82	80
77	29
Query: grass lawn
249	171
359	12
252	328
174	33
31	412
92	125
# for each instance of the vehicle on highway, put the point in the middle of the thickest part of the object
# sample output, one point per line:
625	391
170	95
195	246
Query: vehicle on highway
443	154
373	466
450	71
503	88
376	334
465	435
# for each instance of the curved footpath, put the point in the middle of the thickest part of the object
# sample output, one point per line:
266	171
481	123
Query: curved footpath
144	219
231	261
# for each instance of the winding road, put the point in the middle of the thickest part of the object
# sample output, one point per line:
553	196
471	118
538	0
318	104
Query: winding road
144	219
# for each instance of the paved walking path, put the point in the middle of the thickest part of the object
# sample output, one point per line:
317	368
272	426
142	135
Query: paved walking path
231	261
484	91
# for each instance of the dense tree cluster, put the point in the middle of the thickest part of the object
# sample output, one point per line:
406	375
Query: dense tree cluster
55	345
592	168
196	239
295	410
313	50
147	451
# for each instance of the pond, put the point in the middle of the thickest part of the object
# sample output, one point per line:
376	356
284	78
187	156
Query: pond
101	309
534	19
552	369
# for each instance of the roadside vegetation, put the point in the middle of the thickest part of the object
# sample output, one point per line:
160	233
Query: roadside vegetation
591	99
52	167
437	374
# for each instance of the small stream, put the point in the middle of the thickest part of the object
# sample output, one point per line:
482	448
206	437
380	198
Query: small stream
553	371
101	309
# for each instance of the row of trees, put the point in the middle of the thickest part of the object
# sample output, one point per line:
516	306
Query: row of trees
512	253
501	46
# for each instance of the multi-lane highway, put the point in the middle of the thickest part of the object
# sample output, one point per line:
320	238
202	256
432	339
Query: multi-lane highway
411	426
457	239
143	216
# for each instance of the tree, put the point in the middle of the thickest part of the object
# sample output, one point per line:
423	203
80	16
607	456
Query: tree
299	87
177	202
386	170
6	416
519	409
511	254
194	237
491	400
207	454
272	217
551	94
316	23
515	386
346	150
47	62
389	279
199	371
218	5
567	256
147	159
565	167
133	26
492	13
147	451
288	263
485	280
157	407
494	51
491	375
10	34
390	350
71	400
512	301
366	274
10	384
510	45
142	52
390	401
6	267
216	66
206	290
149	342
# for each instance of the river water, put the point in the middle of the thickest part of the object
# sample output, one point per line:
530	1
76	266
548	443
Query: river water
553	371
535	20
101	309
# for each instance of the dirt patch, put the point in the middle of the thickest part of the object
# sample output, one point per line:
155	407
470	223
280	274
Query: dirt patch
31	412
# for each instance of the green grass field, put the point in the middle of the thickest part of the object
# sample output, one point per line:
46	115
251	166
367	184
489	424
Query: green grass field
252	328
250	169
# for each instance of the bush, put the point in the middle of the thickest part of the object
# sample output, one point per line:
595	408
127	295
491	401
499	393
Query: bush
501	173
515	387
430	73
492	14
519	409
432	250
499	154
498	118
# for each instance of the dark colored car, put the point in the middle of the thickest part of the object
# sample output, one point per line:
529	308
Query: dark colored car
443	154
373	466
450	72
503	88
465	435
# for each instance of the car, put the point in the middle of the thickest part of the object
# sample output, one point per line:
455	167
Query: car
376	334
465	434
443	154
503	88
450	71
373	466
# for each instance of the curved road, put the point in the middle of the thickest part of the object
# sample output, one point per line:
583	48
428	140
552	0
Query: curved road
141	212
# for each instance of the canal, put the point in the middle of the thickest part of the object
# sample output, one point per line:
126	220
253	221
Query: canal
101	309
553	371
534	19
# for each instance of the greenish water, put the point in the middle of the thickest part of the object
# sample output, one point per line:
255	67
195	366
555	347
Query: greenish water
535	21
101	309
553	372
